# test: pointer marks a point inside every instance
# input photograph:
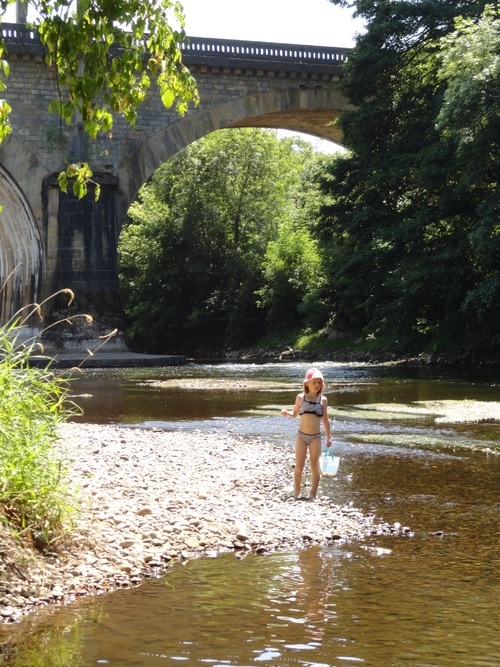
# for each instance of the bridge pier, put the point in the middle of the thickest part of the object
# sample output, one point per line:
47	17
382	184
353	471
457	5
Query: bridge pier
81	255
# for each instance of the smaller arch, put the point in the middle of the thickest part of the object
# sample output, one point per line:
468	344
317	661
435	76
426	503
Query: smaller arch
25	170
20	250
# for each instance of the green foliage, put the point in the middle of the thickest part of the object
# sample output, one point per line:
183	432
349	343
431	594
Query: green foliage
470	119
82	175
293	277
107	56
5	109
34	495
471	72
192	253
411	231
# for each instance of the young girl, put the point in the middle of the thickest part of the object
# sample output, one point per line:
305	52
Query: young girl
312	408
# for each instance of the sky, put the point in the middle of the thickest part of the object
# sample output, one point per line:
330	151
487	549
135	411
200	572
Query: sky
314	22
306	22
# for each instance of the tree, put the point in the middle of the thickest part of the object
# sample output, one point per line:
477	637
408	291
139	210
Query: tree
293	266
192	252
470	70
107	55
292	278
470	116
398	229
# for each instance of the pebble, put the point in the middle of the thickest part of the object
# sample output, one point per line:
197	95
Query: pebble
147	501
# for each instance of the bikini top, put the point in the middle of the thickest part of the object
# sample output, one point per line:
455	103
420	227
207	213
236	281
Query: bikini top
311	408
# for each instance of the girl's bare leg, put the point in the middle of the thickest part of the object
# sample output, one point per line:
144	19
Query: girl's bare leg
300	461
314	455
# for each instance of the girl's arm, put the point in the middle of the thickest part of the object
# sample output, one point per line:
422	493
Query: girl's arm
295	411
326	421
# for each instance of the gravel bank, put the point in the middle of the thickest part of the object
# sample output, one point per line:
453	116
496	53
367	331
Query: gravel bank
150	498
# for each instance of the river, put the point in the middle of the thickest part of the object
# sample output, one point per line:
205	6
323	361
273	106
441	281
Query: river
427	597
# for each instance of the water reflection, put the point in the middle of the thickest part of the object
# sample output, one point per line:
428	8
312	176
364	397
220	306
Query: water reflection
276	610
315	607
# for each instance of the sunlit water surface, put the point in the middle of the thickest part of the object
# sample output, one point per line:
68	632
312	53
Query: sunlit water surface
426	600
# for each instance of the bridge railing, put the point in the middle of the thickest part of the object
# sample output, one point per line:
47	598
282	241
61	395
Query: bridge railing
262	51
212	51
19	38
19	32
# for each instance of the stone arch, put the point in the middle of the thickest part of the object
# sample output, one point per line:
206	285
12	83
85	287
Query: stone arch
20	250
309	110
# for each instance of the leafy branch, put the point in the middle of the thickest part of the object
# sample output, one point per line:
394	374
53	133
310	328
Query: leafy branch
81	175
107	54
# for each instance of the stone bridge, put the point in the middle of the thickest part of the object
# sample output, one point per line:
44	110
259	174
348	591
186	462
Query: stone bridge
48	239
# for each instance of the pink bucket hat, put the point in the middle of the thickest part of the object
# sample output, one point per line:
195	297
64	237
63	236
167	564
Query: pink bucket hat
312	374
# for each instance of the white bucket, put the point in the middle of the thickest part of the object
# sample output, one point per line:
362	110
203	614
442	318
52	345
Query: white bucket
329	463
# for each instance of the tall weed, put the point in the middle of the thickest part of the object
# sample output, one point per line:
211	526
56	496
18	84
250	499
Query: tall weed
36	498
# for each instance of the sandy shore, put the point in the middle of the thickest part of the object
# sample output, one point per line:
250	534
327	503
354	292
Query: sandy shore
150	497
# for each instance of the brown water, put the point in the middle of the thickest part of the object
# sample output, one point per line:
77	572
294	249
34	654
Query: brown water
429	599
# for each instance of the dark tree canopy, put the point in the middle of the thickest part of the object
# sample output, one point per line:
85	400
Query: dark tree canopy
412	230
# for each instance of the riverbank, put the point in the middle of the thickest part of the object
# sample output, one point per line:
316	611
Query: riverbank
367	357
103	358
149	498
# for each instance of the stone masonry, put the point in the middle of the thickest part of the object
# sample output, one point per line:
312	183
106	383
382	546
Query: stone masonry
50	240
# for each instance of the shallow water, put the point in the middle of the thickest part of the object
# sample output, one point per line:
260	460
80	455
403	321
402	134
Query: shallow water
427	597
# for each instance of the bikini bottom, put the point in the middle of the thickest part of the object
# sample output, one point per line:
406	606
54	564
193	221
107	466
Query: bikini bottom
307	438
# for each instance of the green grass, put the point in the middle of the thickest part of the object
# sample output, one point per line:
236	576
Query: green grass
35	498
37	501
